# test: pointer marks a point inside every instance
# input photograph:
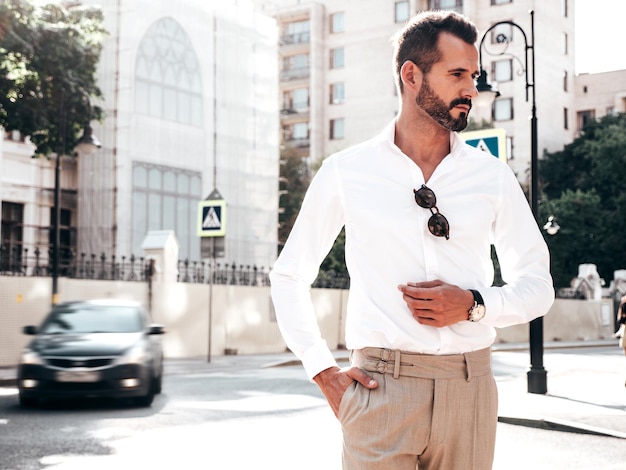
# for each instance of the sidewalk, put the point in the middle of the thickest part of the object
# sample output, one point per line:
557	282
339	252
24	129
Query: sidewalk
584	395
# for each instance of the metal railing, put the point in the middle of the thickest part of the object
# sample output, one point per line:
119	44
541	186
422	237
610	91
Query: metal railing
16	261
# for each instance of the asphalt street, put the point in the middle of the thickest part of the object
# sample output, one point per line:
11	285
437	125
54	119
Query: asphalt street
260	412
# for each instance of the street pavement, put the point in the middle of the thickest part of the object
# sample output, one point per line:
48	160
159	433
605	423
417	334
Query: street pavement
586	392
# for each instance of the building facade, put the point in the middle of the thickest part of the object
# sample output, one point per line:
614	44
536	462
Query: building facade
189	92
199	95
598	95
337	86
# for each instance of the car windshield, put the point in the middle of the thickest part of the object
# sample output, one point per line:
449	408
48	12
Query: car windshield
93	319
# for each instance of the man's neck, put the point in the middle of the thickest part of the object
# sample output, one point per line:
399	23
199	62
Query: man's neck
423	141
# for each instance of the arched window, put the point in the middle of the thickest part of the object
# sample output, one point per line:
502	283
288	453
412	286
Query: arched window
168	83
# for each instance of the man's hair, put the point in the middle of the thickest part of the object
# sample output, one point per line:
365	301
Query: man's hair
417	41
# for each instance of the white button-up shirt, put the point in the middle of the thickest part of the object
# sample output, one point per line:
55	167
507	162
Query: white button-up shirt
369	189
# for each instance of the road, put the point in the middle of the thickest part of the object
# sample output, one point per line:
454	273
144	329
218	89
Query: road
235	417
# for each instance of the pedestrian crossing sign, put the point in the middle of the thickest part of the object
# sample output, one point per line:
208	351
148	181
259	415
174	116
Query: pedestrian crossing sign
212	218
492	141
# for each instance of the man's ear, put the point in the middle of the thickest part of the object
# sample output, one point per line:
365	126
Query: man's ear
411	76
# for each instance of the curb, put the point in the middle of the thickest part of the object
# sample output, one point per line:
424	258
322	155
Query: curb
561	425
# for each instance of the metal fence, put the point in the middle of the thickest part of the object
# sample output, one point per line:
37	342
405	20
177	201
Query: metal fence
17	262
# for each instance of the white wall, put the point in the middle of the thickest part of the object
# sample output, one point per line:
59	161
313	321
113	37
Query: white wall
242	318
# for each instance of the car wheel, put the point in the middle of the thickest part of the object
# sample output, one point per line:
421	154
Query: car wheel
148	398
157	384
26	401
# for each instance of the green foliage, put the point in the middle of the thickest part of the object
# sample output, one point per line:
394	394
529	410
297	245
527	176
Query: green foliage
295	175
48	60
295	179
472	125
336	259
584	189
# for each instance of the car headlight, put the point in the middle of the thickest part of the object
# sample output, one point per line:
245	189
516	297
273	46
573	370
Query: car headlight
31	357
135	355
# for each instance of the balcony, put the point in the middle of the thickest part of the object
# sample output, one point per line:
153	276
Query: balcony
295	38
299	142
295	73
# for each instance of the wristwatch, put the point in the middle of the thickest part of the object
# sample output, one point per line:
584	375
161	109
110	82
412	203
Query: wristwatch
477	312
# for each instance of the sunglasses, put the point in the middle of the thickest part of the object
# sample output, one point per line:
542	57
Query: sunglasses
437	224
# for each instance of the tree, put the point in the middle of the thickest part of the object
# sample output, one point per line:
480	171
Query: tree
48	60
295	177
583	187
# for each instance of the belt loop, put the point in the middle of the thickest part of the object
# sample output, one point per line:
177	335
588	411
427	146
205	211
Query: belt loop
468	366
396	364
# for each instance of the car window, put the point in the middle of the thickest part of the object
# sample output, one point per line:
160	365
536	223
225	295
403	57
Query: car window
93	319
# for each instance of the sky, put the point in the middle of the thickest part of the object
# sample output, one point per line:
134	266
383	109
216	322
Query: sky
600	44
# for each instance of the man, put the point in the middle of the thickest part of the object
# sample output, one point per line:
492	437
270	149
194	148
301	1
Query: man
421	210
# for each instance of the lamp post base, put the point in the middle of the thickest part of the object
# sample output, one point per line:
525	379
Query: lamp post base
537	381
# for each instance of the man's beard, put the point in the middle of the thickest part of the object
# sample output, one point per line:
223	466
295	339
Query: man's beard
439	111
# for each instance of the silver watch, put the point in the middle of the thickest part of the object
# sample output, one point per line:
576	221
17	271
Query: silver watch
478	310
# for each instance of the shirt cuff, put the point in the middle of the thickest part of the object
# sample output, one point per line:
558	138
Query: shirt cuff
317	358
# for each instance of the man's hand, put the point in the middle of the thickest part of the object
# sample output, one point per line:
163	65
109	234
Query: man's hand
436	303
334	381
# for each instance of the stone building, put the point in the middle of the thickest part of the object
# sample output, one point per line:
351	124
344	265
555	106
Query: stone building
190	92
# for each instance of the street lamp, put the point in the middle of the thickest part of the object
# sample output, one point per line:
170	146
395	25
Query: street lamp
87	145
537	375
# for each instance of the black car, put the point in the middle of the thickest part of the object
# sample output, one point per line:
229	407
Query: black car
96	348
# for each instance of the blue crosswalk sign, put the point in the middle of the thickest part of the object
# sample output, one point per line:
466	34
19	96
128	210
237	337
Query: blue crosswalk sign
212	218
492	141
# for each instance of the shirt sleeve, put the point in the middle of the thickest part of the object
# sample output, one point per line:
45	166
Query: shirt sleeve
318	223
524	262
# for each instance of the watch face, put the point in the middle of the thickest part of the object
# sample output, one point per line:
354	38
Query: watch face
477	313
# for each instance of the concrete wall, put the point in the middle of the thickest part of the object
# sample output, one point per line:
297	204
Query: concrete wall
240	319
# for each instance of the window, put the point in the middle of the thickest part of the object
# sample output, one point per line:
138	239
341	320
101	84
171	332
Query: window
300	131
584	117
67	243
565	118
168	83
301	99
297	61
337	128
295	66
565	80
337	93
166	198
610	111
456	5
402	11
564	7
502	70
337	58
500	2
296	32
503	109
510	147
337	24
297	134
12	236
296	100
502	33
564	41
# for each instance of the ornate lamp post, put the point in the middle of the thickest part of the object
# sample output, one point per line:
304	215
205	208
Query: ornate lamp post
537	375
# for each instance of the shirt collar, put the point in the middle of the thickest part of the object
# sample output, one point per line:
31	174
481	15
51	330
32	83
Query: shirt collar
388	134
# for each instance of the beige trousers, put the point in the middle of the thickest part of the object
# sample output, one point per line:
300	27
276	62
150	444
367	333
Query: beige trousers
428	412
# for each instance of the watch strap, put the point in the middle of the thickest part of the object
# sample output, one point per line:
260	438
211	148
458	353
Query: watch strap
477	297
